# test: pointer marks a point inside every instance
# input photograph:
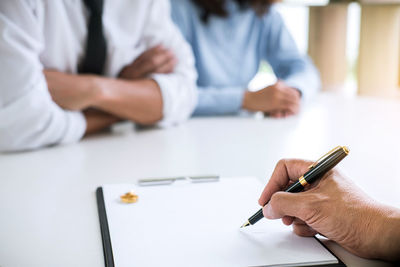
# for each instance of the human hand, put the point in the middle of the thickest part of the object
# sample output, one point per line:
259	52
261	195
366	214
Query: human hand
155	60
97	120
70	91
277	100
334	207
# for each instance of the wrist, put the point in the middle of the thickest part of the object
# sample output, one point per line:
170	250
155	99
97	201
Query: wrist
97	89
388	239
379	237
247	100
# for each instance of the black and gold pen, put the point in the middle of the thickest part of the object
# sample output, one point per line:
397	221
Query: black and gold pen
316	171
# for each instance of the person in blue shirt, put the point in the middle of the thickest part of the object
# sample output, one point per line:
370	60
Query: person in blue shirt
229	40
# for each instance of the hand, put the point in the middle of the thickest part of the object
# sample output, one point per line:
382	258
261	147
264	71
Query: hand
335	208
278	100
97	120
69	91
155	60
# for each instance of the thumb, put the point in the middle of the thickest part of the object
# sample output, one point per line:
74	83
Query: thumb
286	204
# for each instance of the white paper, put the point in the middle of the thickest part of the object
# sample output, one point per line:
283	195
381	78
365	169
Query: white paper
199	225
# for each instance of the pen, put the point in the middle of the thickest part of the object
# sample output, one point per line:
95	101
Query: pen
316	171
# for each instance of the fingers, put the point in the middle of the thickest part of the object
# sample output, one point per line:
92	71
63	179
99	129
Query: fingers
158	57
299	226
278	114
167	67
285	171
155	60
286	204
290	101
288	220
285	100
302	229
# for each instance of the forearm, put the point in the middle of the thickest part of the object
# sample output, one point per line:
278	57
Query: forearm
136	100
139	101
32	120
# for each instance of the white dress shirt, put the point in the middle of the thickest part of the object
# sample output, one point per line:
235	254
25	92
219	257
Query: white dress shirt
41	34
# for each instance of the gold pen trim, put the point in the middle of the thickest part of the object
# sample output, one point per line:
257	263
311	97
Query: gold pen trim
303	181
344	148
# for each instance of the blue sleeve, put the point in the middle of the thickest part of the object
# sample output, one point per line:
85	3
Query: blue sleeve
280	50
179	12
211	100
221	101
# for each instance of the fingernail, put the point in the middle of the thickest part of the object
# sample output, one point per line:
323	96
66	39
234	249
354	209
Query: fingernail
267	211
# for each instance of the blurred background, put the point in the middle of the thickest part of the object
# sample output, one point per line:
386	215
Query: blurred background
354	44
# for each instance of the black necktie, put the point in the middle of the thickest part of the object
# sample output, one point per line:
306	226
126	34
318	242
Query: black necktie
96	47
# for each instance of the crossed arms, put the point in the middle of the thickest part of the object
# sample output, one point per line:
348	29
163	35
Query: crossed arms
40	106
106	100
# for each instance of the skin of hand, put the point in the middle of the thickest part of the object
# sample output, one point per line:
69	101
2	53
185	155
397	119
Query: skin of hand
136	100
155	60
97	120
277	100
71	92
334	207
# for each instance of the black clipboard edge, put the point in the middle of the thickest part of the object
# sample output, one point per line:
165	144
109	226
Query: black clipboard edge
105	233
107	248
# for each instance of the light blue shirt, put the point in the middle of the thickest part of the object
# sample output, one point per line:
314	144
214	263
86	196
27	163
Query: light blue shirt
228	52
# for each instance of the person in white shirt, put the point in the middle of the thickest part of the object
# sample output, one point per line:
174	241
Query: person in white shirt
148	75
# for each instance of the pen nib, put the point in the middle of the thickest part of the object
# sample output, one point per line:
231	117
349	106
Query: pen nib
246	224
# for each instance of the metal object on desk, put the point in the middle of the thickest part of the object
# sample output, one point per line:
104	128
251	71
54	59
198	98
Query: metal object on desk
171	180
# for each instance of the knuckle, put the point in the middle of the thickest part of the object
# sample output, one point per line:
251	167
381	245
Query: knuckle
281	162
274	202
171	66
154	61
313	207
274	199
308	212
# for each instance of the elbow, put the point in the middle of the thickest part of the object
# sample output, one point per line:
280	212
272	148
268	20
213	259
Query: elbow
8	144
150	115
11	142
150	118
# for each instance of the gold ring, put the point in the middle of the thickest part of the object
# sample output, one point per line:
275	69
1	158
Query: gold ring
129	197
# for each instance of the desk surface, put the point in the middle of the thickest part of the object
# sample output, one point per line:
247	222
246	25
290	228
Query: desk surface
47	198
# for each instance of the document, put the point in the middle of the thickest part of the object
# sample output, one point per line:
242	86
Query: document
198	224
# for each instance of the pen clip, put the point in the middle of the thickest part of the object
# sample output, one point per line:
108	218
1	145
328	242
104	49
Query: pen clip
171	180
204	178
159	181
334	150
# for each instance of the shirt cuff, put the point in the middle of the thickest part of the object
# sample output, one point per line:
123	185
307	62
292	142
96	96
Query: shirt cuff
75	127
307	87
219	102
178	100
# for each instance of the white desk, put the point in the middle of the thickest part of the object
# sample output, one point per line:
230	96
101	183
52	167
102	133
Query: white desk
48	212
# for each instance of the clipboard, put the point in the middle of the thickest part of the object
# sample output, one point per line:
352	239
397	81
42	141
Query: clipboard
113	215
